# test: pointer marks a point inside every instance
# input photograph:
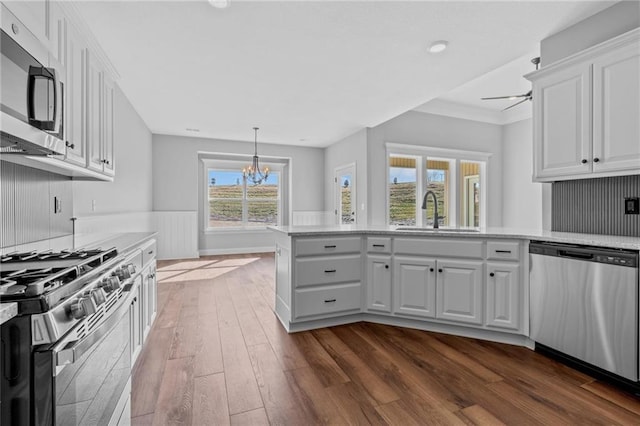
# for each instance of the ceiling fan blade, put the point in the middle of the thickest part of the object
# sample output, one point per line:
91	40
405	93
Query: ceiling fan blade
517	103
507	97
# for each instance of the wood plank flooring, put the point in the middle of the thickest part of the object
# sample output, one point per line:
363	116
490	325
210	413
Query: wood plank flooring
217	355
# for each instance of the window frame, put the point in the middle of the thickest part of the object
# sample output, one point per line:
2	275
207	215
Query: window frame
423	153
235	165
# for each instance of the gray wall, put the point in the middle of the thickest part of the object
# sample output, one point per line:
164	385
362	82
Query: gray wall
176	180
352	149
521	198
131	191
613	21
417	128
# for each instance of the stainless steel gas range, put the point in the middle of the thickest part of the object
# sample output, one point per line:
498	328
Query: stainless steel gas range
66	356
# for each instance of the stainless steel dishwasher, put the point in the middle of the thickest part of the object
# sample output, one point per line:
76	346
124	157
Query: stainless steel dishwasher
584	303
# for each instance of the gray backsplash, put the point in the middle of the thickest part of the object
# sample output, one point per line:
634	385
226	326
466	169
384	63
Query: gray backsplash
27	198
595	206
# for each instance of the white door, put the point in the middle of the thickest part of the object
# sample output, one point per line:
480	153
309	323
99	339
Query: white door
503	296
379	283
414	285
562	123
616	109
459	291
345	194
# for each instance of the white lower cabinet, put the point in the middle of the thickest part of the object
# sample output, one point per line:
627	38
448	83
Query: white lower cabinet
414	283
465	282
459	291
135	319
379	283
503	295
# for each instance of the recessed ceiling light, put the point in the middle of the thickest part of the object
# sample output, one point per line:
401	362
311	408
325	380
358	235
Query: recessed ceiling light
438	46
220	4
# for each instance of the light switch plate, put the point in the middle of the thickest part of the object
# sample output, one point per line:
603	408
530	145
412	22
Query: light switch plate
632	205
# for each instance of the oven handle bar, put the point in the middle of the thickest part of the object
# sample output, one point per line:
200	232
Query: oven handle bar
68	355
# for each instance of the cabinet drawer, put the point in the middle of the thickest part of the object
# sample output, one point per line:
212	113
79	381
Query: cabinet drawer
503	250
330	245
439	247
149	251
327	300
379	245
327	270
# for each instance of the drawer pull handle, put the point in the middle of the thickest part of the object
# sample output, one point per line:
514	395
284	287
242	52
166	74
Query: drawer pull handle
503	251
329	271
151	252
328	247
379	245
329	300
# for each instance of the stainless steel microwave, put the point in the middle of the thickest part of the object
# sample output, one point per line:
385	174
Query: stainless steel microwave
31	93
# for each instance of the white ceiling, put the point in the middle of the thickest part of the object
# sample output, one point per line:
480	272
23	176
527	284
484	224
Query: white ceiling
310	73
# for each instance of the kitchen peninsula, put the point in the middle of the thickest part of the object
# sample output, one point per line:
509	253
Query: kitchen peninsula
468	282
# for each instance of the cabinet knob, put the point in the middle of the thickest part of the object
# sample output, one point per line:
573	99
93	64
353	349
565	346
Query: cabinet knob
107	162
70	145
584	161
440	270
595	160
431	269
492	274
386	266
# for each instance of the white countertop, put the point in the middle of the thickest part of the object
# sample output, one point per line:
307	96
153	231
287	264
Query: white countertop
613	241
122	241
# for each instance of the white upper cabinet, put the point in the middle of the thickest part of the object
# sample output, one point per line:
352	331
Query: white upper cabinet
562	123
586	112
616	110
76	100
33	15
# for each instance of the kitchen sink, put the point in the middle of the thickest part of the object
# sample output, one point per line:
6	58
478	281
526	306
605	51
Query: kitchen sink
436	230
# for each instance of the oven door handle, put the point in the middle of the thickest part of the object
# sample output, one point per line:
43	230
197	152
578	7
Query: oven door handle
69	352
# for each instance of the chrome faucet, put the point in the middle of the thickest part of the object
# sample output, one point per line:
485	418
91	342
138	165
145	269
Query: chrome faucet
435	207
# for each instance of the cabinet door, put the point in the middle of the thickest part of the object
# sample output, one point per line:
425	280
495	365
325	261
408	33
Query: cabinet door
414	283
152	294
136	326
108	128
94	113
503	295
562	124
145	314
379	283
56	33
459	291
616	110
76	100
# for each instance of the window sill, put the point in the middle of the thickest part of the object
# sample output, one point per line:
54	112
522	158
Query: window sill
237	230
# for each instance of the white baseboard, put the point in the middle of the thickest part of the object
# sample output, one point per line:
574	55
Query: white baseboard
215	252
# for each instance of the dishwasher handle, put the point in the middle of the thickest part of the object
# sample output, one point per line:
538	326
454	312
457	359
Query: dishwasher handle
575	254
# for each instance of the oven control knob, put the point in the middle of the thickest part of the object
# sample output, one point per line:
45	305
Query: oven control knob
82	307
131	268
110	284
98	295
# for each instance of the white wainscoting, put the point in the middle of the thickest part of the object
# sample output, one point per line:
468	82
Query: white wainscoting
177	234
177	230
312	217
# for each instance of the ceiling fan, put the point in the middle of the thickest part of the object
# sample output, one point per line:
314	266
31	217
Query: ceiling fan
525	96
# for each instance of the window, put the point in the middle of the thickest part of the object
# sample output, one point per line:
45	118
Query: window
233	202
454	177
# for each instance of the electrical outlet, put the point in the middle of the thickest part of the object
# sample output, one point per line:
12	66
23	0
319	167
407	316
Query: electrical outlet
632	205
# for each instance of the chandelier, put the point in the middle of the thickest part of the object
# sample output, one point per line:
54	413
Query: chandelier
253	172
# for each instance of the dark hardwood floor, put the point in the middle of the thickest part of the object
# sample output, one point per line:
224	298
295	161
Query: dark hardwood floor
217	355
